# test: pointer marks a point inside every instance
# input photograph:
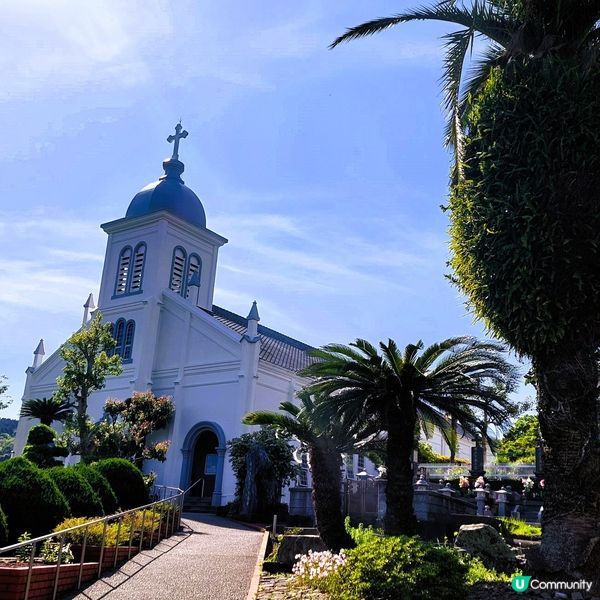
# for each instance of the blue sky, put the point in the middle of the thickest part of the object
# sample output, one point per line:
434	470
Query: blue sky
324	169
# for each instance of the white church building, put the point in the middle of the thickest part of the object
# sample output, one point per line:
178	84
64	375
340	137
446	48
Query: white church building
157	289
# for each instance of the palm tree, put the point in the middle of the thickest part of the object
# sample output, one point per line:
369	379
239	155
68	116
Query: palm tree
325	440
525	126
397	390
47	410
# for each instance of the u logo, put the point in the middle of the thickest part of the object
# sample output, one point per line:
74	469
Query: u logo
520	583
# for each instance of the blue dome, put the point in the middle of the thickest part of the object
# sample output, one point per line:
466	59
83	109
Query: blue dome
170	194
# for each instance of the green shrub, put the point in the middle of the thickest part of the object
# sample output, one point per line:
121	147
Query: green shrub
41	448
31	500
126	480
362	534
80	495
479	573
400	568
50	551
23	553
94	532
3	529
148	521
101	486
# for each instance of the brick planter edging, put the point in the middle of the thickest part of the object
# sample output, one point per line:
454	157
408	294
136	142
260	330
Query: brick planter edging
14	579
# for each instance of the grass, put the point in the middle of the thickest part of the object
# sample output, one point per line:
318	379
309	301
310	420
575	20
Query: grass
518	528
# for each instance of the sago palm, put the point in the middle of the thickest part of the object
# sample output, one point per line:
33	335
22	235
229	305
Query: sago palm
459	377
325	439
46	410
525	215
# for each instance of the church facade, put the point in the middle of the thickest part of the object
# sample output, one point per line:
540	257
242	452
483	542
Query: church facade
157	289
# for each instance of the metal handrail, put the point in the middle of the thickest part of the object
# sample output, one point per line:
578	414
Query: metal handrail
193	484
175	500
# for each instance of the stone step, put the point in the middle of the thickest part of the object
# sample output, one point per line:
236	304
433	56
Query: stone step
195	504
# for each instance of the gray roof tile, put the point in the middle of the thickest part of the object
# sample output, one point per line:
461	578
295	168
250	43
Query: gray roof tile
275	348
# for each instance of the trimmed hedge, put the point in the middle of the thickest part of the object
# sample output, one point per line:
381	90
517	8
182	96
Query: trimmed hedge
30	498
82	499
101	486
41	448
126	480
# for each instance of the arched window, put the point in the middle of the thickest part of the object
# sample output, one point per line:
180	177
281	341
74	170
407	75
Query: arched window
194	266
137	271
123	332
178	270
123	269
119	334
128	343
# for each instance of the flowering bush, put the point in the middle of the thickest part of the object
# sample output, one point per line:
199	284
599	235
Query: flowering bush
463	483
318	569
527	484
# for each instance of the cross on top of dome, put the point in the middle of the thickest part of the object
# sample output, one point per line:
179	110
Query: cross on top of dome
179	135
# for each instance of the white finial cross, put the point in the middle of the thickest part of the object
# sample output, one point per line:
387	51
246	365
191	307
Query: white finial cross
175	138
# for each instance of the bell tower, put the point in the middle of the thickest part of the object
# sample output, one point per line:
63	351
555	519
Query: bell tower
161	243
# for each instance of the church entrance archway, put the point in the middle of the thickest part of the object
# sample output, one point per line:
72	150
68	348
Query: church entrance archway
203	461
204	465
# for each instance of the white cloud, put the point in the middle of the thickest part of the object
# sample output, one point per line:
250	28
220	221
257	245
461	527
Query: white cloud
74	255
70	43
39	226
27	284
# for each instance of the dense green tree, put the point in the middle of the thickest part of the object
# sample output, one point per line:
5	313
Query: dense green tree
520	441
8	425
46	410
525	212
325	440
7	443
457	377
87	364
262	462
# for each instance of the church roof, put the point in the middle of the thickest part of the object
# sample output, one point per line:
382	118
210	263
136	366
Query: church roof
275	348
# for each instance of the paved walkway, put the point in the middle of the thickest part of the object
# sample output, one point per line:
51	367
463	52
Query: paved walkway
211	559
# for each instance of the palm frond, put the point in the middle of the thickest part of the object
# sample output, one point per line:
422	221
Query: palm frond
457	45
291	426
488	18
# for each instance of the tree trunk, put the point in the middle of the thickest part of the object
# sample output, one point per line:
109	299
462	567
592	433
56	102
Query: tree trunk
568	414
400	516
454	439
84	430
325	465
